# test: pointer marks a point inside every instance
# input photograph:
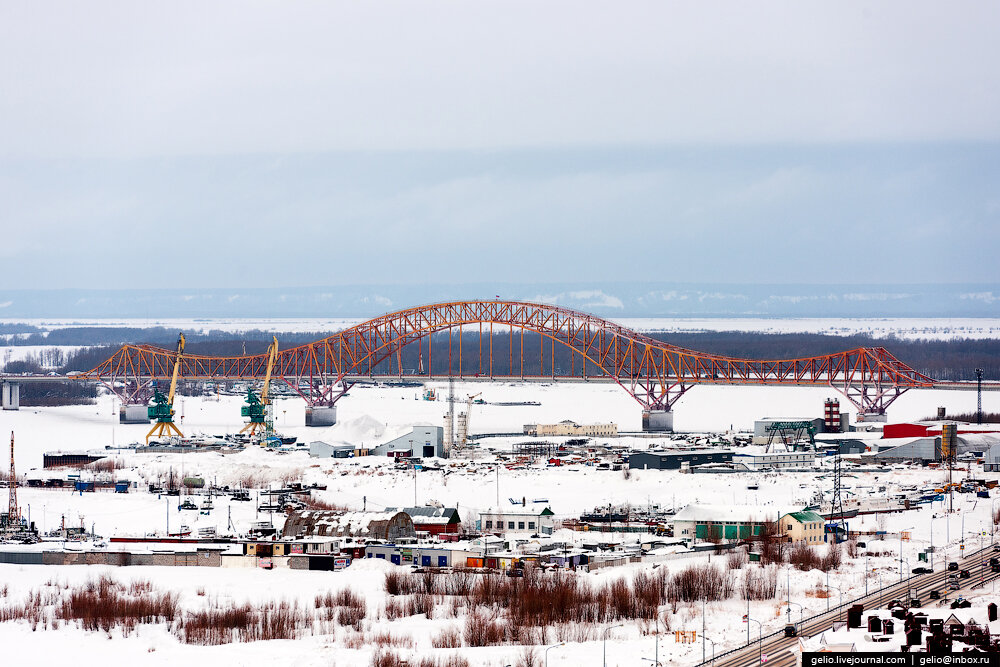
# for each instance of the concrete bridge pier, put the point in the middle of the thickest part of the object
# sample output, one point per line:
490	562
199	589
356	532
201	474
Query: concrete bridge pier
10	396
658	420
134	413
321	415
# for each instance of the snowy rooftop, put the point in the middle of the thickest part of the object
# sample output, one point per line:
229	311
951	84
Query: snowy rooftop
699	512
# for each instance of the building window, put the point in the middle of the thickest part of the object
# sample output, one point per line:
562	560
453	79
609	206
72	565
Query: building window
489	524
520	525
510	525
531	525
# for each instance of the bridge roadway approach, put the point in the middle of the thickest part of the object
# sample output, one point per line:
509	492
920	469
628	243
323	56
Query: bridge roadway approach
563	345
776	646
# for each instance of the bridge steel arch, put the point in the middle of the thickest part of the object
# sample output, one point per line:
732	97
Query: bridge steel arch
654	372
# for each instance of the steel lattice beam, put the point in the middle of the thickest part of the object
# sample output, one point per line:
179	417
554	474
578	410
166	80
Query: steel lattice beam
655	373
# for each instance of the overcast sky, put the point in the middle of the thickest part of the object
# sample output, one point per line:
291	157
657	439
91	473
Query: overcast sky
276	143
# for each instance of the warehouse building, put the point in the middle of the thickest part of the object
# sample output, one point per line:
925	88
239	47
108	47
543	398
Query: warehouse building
321	450
422	441
724	522
776	460
568	427
433	520
673	460
330	523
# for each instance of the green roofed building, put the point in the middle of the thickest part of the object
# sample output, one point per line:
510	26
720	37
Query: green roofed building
804	526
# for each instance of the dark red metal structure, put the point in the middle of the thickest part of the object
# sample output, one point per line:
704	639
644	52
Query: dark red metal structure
655	373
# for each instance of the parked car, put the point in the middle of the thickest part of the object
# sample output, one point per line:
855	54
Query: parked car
961	603
914	602
922	570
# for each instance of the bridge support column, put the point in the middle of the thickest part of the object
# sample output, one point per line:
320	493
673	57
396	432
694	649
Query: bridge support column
658	420
872	418
11	398
321	415
134	413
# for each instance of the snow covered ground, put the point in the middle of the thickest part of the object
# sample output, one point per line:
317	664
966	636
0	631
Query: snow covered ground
373	414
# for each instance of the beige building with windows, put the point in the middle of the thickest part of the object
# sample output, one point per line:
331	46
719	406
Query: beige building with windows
805	526
568	427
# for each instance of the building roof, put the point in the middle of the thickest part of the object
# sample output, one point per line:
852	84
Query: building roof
680	452
746	513
428	514
805	516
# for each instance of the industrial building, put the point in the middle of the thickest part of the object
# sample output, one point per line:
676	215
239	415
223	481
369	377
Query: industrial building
433	520
321	450
674	460
776	460
329	523
723	522
929	448
570	428
422	441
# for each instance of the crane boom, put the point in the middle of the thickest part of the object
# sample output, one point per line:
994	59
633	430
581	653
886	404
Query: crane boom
177	367
270	367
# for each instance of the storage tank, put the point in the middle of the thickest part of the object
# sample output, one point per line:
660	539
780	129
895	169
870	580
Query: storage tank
948	440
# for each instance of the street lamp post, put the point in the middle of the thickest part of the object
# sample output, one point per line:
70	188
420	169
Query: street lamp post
713	650
549	649
801	611
839	608
901	531
760	637
932	543
606	631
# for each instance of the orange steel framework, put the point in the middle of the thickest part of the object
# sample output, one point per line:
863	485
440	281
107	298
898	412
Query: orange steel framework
655	373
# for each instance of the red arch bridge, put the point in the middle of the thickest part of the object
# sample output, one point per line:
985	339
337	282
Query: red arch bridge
514	340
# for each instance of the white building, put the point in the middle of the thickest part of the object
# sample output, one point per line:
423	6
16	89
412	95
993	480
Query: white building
518	522
775	460
724	522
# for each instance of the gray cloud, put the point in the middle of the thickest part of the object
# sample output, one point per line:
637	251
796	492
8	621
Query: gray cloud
109	78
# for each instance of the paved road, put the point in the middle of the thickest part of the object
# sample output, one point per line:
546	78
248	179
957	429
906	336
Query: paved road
776	647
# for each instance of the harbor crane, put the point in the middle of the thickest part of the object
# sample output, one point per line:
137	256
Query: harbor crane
162	409
258	408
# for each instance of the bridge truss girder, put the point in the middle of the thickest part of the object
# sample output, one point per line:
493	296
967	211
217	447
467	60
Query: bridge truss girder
656	374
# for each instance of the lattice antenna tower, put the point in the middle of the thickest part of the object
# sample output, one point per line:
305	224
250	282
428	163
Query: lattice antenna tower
13	513
837	503
979	395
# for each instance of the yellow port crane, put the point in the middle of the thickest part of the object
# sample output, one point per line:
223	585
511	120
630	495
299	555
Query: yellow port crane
162	409
257	408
